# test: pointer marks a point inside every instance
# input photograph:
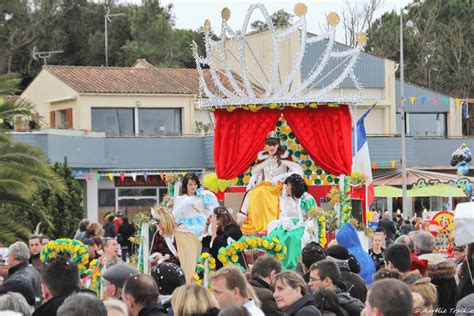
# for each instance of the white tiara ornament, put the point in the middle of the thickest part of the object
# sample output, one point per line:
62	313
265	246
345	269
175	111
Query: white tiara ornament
234	86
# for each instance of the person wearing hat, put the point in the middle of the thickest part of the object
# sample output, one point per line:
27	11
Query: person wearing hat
168	276
115	277
349	267
261	203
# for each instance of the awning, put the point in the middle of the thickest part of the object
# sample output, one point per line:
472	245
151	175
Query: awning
387	191
441	189
414	176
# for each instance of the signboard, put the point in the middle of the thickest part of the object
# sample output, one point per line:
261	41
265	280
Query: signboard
140	181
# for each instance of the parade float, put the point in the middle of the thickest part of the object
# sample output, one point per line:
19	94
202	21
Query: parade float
314	125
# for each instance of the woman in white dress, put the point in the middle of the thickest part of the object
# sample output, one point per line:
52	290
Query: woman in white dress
195	205
261	203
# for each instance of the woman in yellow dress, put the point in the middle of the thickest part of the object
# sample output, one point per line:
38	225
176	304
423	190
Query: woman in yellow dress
262	202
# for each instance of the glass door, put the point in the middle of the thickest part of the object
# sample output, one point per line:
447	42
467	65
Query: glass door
132	201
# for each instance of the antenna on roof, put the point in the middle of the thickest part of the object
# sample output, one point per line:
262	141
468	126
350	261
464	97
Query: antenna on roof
107	20
44	55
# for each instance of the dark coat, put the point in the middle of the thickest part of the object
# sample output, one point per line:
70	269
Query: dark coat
233	231
154	309
356	287
50	308
442	272
125	231
389	228
303	307
265	295
109	230
20	274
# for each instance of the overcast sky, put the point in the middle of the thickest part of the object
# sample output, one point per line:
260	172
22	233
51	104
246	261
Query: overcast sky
191	14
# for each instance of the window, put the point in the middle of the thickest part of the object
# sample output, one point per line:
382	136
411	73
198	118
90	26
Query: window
113	121
427	124
159	121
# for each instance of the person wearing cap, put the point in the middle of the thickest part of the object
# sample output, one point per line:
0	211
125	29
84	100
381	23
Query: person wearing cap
168	276
261	203
115	277
349	267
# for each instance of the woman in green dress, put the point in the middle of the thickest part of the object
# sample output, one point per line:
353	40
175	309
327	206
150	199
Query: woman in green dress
295	203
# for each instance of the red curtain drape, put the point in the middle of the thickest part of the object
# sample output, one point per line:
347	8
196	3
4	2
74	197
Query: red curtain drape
238	137
325	135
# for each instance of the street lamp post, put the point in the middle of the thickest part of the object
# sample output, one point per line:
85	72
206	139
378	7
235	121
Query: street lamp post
406	211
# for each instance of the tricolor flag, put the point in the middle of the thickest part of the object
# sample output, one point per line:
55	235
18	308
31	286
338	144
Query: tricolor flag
361	160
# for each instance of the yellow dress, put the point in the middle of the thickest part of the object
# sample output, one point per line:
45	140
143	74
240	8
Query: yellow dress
262	202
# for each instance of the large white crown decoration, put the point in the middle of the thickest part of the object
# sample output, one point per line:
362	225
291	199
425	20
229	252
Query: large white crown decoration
232	87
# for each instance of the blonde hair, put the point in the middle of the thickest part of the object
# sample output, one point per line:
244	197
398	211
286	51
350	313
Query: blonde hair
167	221
192	299
95	229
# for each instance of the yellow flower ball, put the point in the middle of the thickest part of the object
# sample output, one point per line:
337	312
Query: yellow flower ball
278	247
234	258
265	244
222	259
205	255
280	256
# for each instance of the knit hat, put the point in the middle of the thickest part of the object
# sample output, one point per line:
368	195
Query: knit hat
119	273
168	276
341	253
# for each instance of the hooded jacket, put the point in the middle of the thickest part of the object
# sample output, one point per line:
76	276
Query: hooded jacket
424	287
442	272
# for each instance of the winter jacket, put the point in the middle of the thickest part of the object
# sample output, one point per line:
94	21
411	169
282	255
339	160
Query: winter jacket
154	309
442	272
356	287
125	231
465	307
424	287
351	305
303	307
109	230
25	272
389	228
265	295
50	308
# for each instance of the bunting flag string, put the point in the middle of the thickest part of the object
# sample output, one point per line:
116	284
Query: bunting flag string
386	164
145	174
437	101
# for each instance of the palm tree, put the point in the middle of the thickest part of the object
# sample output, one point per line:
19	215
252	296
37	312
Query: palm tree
22	167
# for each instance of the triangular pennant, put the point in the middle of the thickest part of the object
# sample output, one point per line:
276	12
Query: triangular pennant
134	177
86	176
145	175
458	101
423	100
162	176
393	163
383	164
97	176
374	165
470	100
446	100
111	176
412	100
122	176
435	100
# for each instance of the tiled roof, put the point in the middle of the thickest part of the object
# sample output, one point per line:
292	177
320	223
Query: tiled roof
133	80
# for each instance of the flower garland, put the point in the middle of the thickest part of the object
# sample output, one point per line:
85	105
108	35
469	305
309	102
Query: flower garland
272	246
346	206
201	266
74	249
318	213
93	273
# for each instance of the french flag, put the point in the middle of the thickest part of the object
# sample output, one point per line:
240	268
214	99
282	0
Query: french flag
361	161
